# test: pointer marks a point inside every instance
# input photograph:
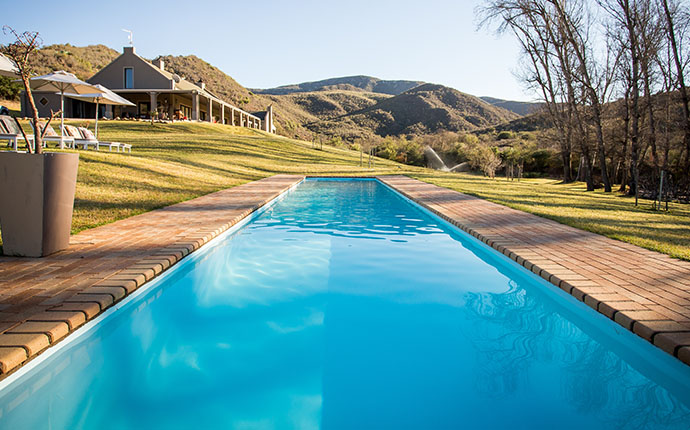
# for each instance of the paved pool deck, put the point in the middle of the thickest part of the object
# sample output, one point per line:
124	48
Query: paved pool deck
43	300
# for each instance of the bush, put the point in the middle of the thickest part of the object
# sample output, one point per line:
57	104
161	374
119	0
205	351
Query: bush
504	135
9	90
401	150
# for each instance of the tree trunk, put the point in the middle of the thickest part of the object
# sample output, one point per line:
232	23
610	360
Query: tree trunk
681	84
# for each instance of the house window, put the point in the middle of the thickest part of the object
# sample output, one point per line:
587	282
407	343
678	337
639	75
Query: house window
129	78
43	101
144	109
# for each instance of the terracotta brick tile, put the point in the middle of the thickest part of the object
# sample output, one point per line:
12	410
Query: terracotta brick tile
55	330
11	358
684	354
89	309
647	329
670	342
627	318
609	309
103	300
116	293
73	319
32	342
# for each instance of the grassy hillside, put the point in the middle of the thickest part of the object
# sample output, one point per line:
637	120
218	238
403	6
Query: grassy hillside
175	162
83	61
430	108
349	83
520	108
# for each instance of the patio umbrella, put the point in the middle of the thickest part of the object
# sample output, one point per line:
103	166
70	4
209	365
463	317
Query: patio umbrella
103	96
62	82
7	67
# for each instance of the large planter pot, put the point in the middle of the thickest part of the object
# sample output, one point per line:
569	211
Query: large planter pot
36	202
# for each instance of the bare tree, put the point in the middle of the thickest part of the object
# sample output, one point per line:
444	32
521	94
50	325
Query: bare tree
575	26
672	14
550	70
20	52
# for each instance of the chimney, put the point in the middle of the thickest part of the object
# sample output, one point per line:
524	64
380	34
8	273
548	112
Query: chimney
128	50
202	84
160	64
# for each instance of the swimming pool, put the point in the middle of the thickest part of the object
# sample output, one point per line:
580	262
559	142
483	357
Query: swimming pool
343	305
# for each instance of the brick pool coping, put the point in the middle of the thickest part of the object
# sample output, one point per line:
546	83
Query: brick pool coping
43	300
644	291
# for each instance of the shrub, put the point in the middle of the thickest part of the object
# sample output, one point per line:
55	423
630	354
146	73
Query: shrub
9	90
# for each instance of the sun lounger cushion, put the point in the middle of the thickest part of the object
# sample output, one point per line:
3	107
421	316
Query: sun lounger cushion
87	133
10	125
50	131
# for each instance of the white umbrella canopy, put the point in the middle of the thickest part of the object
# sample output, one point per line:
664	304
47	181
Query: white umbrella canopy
104	96
7	67
62	82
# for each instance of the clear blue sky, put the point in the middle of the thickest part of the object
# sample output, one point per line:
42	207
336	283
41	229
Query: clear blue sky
269	43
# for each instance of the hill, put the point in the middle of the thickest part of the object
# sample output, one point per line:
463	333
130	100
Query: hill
427	109
83	61
349	83
520	108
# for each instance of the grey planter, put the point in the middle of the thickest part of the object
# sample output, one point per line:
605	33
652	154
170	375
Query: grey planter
36	202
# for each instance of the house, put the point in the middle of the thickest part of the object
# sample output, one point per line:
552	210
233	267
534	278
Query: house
154	91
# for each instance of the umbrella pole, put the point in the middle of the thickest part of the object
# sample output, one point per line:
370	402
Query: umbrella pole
62	119
96	126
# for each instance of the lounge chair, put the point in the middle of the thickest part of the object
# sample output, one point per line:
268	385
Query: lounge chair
83	136
52	136
9	131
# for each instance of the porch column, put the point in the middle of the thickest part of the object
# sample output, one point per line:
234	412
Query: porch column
154	103
109	111
171	106
210	110
222	114
195	106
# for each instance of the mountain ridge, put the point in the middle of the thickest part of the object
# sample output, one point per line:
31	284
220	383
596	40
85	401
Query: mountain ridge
354	83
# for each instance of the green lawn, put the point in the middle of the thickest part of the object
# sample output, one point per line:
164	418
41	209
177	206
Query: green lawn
176	162
610	214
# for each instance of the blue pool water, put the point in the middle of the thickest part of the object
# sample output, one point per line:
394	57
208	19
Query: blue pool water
343	306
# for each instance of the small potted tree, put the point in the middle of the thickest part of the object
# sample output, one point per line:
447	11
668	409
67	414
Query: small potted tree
36	188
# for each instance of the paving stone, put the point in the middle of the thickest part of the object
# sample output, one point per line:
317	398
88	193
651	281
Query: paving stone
55	330
670	342
116	293
11	358
89	309
32	342
73	319
647	329
103	300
